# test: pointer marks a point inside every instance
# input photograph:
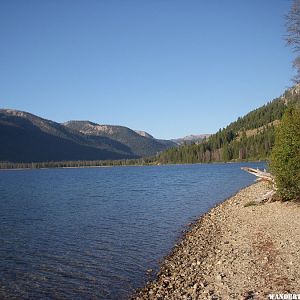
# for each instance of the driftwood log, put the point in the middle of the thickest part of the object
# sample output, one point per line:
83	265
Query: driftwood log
263	176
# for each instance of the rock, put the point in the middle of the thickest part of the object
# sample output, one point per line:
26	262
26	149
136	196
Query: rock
232	251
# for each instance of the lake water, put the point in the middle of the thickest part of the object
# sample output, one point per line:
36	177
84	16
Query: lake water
92	233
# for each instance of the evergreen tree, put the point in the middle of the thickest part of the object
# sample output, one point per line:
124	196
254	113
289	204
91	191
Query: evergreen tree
285	157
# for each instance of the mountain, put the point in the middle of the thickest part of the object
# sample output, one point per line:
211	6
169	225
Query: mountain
189	139
250	137
144	134
139	145
29	138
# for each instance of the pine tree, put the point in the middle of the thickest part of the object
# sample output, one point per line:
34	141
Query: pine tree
285	157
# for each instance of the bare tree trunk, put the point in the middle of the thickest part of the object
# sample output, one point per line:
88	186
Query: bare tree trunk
293	34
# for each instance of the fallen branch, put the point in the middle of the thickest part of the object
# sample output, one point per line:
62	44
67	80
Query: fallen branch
267	197
265	176
262	175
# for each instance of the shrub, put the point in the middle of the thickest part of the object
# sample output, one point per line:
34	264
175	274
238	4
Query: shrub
285	156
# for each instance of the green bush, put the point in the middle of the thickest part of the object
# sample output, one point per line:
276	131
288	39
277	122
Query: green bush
285	156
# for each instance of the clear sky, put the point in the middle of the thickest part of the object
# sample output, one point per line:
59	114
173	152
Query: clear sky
169	67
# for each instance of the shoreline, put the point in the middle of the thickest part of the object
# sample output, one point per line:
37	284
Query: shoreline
237	250
134	165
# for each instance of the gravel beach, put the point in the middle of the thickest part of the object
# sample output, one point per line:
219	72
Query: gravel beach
235	251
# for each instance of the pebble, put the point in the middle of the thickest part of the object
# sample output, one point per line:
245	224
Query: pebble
229	254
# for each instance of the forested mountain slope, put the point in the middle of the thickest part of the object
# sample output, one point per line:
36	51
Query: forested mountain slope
25	137
249	137
28	138
139	145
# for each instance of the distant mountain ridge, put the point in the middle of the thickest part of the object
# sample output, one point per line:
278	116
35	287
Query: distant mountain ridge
139	145
144	133
193	138
28	138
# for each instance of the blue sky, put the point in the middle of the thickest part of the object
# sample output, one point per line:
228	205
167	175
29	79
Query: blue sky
168	67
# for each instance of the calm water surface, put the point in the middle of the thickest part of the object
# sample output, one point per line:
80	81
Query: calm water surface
93	233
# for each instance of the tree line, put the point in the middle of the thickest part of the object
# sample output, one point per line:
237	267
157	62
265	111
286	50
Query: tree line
76	164
249	138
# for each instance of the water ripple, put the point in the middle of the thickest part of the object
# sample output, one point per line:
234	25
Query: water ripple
93	233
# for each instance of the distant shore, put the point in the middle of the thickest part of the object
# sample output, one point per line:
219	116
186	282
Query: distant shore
104	164
20	169
238	250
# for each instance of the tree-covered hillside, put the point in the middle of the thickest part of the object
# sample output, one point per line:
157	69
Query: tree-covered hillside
140	146
249	138
26	138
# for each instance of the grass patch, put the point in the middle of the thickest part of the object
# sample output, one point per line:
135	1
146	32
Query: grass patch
250	203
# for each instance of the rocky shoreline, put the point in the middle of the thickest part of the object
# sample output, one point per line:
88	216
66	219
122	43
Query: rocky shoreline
238	250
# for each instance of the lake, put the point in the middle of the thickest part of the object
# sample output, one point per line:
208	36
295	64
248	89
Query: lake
92	233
